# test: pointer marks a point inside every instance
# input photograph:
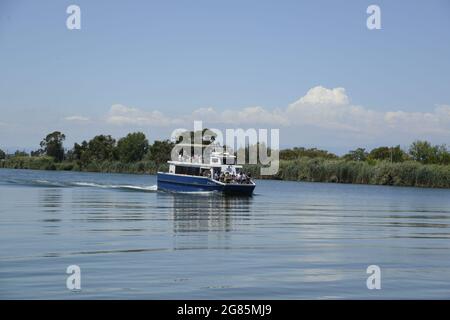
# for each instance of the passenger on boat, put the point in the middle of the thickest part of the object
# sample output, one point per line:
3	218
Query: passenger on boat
239	177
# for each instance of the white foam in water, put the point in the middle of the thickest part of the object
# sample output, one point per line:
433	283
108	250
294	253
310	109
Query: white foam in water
149	188
88	184
47	183
130	187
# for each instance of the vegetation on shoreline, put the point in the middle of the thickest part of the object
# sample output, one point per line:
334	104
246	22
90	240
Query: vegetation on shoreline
422	165
408	173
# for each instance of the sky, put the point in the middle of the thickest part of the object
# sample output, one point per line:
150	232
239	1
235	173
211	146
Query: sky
311	69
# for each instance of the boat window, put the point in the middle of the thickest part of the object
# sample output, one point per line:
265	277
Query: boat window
228	160
192	171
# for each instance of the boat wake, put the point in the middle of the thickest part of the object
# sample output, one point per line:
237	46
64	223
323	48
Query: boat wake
122	187
88	184
59	184
118	186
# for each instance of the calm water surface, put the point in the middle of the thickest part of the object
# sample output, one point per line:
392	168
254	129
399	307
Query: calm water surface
290	240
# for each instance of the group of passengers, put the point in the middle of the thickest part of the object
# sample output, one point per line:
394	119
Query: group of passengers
231	177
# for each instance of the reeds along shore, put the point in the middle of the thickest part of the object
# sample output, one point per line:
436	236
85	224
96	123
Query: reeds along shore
48	163
408	173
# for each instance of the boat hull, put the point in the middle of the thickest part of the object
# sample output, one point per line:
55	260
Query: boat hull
185	183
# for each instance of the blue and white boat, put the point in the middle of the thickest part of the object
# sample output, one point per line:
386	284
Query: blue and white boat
192	174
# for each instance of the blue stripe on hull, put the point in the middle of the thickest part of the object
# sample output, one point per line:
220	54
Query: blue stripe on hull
183	183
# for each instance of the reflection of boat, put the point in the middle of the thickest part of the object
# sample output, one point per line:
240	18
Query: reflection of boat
206	212
192	174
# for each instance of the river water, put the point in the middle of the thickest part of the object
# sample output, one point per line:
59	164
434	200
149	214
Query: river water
291	240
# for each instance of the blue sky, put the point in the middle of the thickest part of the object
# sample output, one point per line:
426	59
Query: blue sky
149	65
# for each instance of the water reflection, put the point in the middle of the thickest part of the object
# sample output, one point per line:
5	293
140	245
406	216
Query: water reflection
50	203
200	213
50	200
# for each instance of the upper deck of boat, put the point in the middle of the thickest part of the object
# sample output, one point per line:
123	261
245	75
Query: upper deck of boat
216	160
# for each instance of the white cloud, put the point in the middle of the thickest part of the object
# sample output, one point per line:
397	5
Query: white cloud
77	118
320	112
122	115
331	109
248	116
436	122
323	96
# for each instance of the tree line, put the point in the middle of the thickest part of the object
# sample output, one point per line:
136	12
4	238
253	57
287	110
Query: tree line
420	151
135	147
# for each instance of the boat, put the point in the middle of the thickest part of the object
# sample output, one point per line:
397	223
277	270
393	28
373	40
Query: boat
219	173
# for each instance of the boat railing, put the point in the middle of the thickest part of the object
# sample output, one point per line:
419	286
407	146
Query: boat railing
189	159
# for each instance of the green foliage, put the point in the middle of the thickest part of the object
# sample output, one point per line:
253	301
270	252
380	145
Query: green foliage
2	154
100	148
359	154
392	154
424	152
132	148
19	153
295	153
408	173
160	151
35	163
52	145
421	151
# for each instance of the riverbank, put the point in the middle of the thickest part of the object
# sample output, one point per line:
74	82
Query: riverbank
47	163
408	173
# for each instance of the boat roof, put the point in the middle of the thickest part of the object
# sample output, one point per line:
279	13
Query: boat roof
221	153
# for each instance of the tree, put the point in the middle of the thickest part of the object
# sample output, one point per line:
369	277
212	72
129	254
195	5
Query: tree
160	151
2	154
133	147
37	153
100	148
19	153
52	145
393	154
423	151
359	154
442	154
78	150
295	153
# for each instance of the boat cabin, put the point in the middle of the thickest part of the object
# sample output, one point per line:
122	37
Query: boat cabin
219	167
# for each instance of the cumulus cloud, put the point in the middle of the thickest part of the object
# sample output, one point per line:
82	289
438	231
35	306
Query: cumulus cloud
327	110
323	96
